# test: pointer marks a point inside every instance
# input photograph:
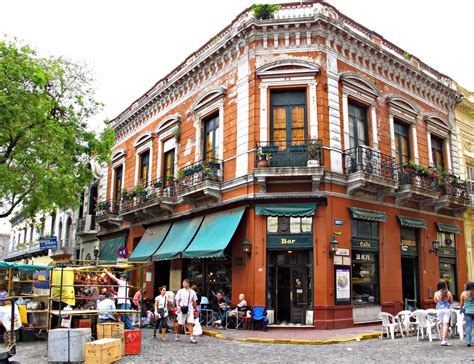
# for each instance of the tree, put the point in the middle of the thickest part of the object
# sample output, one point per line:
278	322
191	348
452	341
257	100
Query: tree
44	141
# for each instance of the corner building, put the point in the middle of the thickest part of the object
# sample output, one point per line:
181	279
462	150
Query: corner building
274	162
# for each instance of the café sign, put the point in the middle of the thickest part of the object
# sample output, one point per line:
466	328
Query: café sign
289	241
365	244
408	247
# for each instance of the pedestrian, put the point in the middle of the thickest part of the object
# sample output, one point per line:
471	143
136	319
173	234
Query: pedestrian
443	299
137	301
185	303
123	302
467	307
162	306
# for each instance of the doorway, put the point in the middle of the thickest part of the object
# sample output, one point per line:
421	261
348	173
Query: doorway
162	275
289	286
410	282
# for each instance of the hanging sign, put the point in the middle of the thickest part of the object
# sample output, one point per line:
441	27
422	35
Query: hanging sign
122	252
48	243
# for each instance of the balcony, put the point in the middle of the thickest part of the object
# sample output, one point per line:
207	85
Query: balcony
108	214
87	226
369	171
417	187
148	200
65	248
289	161
454	195
200	181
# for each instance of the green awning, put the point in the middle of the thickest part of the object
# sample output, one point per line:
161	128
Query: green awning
448	228
108	249
412	222
214	234
25	267
369	215
294	210
150	242
179	237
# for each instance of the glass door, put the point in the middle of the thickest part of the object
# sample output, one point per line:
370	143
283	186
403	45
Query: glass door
298	295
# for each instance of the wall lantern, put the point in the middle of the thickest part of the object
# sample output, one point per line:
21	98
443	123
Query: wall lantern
96	252
435	249
333	246
247	247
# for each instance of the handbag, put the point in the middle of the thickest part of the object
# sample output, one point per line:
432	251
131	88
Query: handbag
185	309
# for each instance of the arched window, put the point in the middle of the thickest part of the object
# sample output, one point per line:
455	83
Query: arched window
60	234
68	232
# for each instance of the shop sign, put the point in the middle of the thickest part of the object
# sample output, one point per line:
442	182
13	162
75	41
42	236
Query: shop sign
363	257
289	241
408	247
344	252
338	222
48	243
365	244
448	252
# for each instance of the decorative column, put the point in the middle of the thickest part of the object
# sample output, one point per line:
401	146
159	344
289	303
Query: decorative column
313	114
392	135
220	143
375	135
430	152
414	138
263	113
447	149
345	115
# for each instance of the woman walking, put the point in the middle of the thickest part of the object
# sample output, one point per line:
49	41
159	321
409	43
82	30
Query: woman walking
467	307
443	299
161	313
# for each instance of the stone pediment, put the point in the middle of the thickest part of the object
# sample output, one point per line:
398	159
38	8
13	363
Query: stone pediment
288	67
360	83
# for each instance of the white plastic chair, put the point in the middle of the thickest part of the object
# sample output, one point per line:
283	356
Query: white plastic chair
390	324
423	324
459	323
405	320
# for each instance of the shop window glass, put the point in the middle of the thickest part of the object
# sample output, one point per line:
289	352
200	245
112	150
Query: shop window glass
306	224
358	125
437	152
118	183
364	277
448	274
195	273
295	225
365	229
168	165
272	224
446	239
402	143
144	162
211	128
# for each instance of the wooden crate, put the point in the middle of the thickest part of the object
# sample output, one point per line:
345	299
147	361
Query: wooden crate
103	351
110	330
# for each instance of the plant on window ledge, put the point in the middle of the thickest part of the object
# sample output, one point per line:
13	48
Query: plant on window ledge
125	195
264	11
263	158
314	152
169	180
140	190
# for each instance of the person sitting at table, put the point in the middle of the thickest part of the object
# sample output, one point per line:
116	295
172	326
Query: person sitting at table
220	305
105	305
239	310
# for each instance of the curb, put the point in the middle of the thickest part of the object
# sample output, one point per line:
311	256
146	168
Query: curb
368	336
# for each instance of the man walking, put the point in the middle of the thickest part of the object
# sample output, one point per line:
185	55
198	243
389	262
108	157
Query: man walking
123	303
185	302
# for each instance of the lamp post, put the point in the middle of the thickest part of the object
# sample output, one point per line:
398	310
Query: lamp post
247	247
333	244
435	245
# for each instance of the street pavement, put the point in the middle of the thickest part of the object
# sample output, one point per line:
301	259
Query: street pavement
210	350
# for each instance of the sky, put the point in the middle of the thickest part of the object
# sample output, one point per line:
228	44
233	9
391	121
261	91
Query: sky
129	45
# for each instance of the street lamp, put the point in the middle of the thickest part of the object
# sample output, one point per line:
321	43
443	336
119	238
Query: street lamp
435	245
247	247
333	246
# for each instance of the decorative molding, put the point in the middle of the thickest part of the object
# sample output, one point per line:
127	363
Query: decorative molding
118	154
207	98
168	122
279	68
360	83
143	138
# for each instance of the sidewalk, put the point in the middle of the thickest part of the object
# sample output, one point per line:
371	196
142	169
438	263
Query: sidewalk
297	336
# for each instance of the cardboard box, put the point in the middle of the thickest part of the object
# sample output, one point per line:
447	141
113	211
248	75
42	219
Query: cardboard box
83	323
103	351
110	330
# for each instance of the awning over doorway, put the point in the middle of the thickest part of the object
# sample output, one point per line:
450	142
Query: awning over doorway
150	242
294	210
369	215
412	222
448	228
179	237
214	234
108	249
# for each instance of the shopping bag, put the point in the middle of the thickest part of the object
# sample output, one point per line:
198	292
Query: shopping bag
6	312
197	329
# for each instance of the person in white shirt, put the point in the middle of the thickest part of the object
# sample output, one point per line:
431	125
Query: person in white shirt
104	305
185	302
123	303
161	313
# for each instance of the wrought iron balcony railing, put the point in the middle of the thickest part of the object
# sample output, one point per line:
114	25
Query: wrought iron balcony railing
454	187
150	192
204	170
108	207
294	153
85	224
364	159
414	179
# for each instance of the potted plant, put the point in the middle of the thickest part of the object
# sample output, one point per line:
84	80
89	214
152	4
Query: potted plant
125	195
140	190
314	153
169	180
263	158
264	11
157	184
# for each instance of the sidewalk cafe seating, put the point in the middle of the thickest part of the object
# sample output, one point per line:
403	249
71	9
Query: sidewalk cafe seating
390	324
424	324
206	315
405	318
457	322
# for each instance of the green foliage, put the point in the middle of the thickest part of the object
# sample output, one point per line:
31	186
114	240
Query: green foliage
264	11
314	149
44	143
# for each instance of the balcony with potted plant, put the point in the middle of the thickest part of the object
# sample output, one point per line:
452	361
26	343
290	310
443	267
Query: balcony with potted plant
418	183
107	213
454	194
289	161
200	180
147	200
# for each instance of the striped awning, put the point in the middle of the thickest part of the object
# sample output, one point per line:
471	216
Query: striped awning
412	222
448	228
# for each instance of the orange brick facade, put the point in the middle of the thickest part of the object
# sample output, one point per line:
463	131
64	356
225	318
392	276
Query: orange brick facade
228	78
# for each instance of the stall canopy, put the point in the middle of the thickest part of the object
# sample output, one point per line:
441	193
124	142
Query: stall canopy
109	248
179	237
294	210
369	215
448	228
214	234
25	267
411	222
150	242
